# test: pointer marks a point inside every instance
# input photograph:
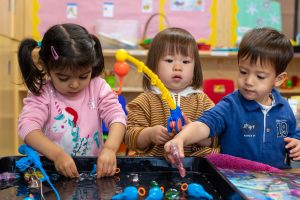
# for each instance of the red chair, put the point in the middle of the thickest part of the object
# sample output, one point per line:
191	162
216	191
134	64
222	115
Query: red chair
216	89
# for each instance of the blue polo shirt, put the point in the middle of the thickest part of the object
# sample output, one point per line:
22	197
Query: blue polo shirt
245	131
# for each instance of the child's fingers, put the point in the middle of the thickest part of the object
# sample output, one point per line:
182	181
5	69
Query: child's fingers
99	170
113	170
70	172
181	151
296	158
74	171
171	159
295	149
290	142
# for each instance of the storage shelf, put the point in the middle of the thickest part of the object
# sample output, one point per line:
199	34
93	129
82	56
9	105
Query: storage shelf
130	89
290	91
203	54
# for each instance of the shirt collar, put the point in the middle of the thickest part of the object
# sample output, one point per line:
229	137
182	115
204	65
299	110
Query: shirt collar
253	105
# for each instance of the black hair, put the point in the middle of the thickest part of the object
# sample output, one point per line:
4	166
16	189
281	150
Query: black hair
268	45
174	40
64	46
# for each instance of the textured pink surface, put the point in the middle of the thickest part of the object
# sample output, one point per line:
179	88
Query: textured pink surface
54	12
232	162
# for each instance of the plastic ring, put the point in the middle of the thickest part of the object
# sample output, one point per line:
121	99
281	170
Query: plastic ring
118	170
184	186
162	189
142	191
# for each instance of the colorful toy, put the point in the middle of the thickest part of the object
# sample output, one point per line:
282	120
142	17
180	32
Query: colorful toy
196	191
30	197
94	171
175	120
130	193
178	160
155	193
33	159
172	194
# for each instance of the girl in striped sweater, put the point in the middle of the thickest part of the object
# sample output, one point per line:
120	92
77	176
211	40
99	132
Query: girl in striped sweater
174	57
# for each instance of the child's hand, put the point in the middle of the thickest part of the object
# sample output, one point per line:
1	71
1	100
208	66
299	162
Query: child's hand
65	165
106	163
294	147
174	143
160	135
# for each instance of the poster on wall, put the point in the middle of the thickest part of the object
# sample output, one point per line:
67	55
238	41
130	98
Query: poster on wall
126	20
192	15
258	13
187	5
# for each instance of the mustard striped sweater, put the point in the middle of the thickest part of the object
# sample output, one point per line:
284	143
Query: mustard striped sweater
148	109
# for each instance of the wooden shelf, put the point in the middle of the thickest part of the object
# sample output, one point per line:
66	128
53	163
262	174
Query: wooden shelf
143	52
133	52
290	91
130	89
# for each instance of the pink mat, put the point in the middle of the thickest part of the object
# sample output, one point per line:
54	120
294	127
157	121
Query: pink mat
232	162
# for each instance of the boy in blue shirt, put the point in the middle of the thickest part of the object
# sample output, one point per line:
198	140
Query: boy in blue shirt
255	122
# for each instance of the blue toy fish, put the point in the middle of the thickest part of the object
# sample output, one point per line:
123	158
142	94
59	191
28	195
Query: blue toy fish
196	191
129	193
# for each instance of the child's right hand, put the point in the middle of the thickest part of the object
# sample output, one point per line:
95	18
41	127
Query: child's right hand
65	165
160	135
176	143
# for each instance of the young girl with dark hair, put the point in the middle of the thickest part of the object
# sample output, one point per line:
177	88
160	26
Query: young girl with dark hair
67	102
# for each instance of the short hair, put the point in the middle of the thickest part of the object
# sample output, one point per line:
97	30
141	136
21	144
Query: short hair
268	45
173	40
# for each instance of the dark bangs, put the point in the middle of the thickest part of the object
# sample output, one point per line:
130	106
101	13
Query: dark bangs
272	55
267	45
178	46
74	61
71	47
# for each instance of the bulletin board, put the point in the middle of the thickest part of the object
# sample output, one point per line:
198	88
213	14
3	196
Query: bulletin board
258	13
192	15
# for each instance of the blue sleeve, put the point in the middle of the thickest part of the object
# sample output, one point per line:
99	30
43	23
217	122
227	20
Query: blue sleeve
217	117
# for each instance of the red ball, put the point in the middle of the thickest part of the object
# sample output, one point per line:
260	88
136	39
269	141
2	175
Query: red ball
121	69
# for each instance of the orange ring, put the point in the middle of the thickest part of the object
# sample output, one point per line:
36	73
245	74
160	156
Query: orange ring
162	189
118	170
142	191
184	186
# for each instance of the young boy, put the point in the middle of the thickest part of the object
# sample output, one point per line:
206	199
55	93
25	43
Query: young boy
255	122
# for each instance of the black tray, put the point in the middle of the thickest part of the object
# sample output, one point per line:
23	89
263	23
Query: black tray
199	170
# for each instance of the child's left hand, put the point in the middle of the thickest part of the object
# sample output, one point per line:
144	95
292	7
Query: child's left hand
106	163
294	147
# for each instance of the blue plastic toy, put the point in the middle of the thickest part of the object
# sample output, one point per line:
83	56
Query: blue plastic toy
129	193
196	191
33	158
30	197
155	193
175	120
